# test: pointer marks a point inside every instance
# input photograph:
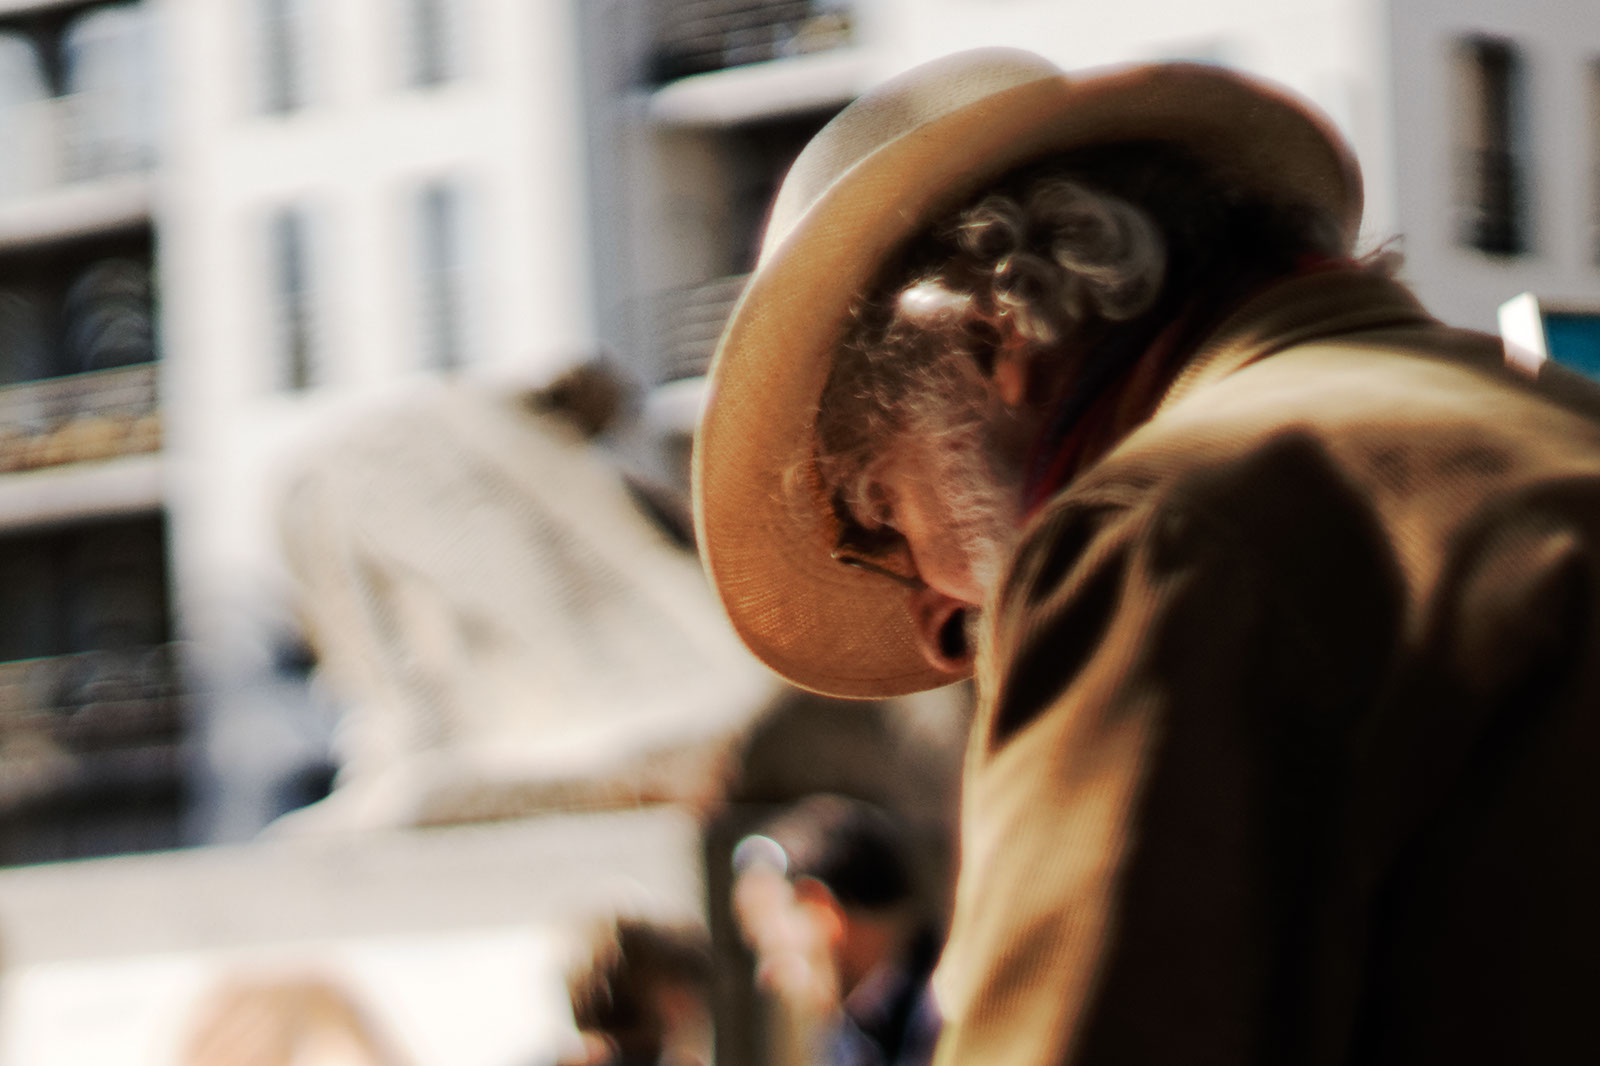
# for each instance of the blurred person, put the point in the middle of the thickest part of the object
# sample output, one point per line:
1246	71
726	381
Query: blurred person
903	755
642	997
826	897
1281	595
292	1020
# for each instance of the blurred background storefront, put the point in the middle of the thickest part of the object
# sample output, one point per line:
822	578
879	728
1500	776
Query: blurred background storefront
301	500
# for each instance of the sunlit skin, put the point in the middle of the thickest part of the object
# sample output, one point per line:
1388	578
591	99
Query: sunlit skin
919	510
921	513
1024	383
951	589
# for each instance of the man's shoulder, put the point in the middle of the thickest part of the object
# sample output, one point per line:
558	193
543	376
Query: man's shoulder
1246	496
1383	442
1383	396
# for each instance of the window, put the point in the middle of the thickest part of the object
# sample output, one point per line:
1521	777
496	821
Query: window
78	344
281	45
25	336
77	307
441	267
109	78
1491	183
84	655
433	41
107	316
290	267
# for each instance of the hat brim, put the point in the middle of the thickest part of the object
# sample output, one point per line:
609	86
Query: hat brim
842	631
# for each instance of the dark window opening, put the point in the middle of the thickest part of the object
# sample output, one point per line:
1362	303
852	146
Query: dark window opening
91	719
1492	181
78	352
77	307
291	271
697	36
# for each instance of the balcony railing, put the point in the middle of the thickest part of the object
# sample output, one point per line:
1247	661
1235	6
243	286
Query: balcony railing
99	415
691	322
698	36
91	721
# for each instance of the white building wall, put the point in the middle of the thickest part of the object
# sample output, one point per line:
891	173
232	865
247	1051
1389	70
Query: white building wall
1328	51
508	130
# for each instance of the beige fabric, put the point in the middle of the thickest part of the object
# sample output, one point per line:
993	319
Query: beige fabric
1290	717
889	164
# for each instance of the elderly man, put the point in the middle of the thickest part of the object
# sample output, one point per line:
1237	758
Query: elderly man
1284	594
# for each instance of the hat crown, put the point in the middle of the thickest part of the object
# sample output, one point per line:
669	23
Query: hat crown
895	109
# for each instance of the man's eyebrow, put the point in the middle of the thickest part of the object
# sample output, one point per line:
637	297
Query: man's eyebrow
857	537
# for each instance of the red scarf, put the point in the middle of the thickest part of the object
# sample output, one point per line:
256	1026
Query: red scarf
1064	449
1069	445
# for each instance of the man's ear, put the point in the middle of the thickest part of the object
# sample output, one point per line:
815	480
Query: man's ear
940	623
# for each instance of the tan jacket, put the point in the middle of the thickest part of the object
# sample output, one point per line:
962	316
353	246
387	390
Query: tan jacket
1289	744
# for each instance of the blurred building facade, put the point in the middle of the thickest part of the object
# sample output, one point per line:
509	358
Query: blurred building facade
91	721
219	224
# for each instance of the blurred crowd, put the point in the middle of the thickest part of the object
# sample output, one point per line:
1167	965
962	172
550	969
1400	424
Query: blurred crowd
841	933
819	954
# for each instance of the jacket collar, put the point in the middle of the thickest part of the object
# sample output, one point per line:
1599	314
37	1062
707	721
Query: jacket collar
1329	302
1326	300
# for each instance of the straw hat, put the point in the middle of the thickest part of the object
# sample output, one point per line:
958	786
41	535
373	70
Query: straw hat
890	163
